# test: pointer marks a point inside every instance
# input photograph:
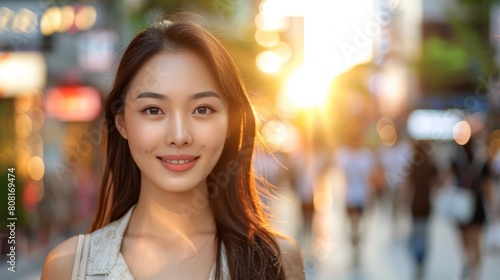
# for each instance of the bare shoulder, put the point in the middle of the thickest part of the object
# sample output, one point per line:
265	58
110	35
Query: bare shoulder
59	261
291	255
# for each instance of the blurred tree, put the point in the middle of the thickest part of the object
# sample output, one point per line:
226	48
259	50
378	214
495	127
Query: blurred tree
473	32
444	66
454	63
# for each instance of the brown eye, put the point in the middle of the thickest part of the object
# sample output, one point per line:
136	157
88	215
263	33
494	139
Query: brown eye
203	110
153	111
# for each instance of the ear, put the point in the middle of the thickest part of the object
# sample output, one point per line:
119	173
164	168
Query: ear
120	124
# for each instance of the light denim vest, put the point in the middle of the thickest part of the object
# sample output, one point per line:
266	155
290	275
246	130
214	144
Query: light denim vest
105	259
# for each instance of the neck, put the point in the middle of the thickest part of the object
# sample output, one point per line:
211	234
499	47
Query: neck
172	215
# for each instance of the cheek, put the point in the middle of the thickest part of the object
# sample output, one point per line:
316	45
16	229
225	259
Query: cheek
213	141
143	137
212	137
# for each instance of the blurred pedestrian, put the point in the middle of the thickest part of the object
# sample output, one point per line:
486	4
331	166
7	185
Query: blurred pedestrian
177	198
355	159
395	156
307	167
423	176
470	170
362	176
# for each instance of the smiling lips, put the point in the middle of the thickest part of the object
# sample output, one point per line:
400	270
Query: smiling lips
178	163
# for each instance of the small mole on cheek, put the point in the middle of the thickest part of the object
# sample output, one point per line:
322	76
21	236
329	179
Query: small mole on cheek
203	146
146	152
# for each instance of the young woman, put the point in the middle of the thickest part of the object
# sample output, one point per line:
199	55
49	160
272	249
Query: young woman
177	198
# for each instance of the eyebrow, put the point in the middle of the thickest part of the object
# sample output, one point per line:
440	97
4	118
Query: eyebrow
204	94
155	95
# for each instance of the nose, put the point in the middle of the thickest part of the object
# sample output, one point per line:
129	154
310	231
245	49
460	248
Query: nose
178	131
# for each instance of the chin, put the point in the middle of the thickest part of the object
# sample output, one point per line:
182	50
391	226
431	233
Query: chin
180	186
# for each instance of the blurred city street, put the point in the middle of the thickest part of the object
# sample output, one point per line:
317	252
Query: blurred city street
385	250
378	122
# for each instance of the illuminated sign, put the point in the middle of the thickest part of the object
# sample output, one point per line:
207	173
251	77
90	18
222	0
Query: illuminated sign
21	73
433	124
73	103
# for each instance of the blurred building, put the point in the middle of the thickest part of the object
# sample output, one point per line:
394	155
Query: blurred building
55	62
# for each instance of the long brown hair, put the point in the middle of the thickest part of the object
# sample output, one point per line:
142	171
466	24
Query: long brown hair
250	246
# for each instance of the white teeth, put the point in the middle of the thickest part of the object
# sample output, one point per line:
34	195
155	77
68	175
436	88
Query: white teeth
173	161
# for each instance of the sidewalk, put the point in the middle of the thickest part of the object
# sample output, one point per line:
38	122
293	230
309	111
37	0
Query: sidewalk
385	254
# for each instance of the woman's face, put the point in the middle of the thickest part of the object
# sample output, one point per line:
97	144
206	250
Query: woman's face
175	120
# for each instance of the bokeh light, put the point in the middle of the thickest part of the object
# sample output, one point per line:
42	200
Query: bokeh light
268	22
51	21
85	17
392	92
269	62
22	73
23	104
388	135
36	168
23	157
24	126
304	90
267	38
283	49
5	15
25	21
387	131
68	18
462	132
